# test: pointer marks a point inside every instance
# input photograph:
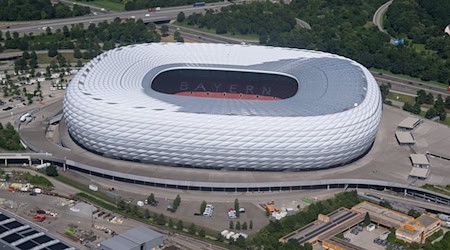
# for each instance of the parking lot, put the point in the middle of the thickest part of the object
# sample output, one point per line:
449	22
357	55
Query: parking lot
59	216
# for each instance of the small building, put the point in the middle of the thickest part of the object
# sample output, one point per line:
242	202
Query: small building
138	238
419	173
405	138
410	123
420	160
418	230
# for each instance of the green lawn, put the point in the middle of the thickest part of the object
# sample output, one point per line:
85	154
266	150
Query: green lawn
421	48
44	59
401	98
434	83
107	4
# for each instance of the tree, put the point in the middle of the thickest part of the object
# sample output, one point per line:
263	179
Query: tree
51	171
429	99
238	225
146	213
421	96
52	52
77	53
431	113
202	207
79	64
219	237
161	219
170	223
386	205
176	203
447	102
151	198
384	89
192	229
164	30
236	207
413	213
202	233
250	225
231	226
177	36
366	219
244	226
181	17
180	225
121	204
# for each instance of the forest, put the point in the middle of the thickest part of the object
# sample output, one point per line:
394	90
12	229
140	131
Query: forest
342	27
24	10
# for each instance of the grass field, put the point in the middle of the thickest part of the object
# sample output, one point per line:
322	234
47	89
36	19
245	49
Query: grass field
107	4
44	59
401	98
434	83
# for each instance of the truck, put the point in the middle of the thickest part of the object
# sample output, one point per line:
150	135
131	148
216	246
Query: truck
444	217
153	9
24	117
47	164
198	4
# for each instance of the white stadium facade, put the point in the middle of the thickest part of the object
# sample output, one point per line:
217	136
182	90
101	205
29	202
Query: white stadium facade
224	106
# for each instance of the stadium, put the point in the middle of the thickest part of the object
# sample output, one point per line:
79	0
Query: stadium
218	106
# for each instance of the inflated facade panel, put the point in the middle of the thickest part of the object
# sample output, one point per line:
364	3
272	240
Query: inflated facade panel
111	108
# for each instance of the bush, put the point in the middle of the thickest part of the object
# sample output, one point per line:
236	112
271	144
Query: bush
51	171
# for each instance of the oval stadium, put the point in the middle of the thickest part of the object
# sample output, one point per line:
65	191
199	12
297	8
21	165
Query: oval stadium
219	106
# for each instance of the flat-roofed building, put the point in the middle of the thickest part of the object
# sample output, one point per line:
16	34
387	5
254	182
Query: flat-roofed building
381	215
418	230
138	238
405	138
325	226
419	173
420	160
409	123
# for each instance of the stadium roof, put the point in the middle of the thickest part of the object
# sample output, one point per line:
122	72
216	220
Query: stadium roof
327	83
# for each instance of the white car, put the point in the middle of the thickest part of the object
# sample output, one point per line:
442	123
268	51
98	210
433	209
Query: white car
147	14
133	17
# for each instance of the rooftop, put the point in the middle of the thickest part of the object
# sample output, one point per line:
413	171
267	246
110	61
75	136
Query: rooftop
405	137
420	159
140	234
409	123
419	172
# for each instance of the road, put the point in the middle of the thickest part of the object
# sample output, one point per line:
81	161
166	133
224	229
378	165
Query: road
409	86
379	14
164	14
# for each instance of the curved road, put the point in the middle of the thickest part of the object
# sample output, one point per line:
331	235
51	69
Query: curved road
379	14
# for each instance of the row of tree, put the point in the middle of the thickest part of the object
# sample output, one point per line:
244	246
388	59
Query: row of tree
24	10
77	36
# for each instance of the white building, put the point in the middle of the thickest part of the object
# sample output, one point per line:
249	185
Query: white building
224	106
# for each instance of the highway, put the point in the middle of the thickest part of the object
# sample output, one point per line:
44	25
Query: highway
378	16
164	14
